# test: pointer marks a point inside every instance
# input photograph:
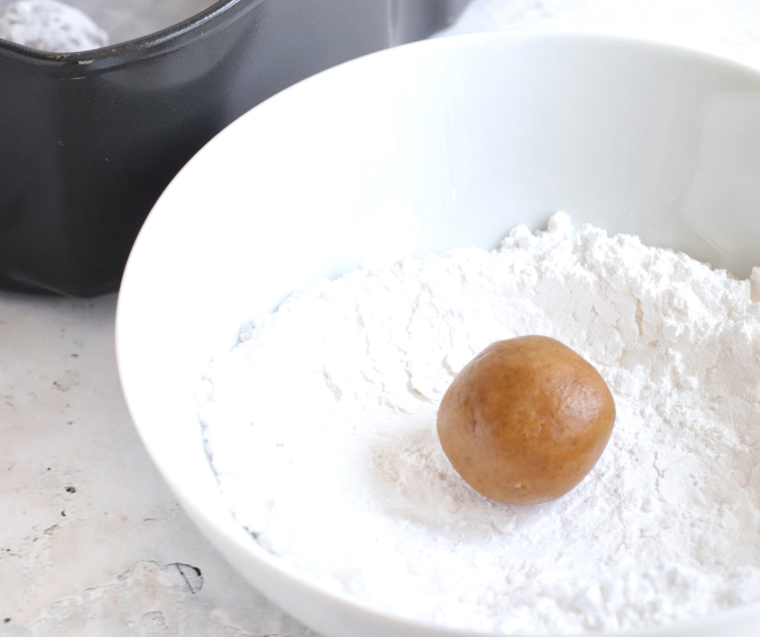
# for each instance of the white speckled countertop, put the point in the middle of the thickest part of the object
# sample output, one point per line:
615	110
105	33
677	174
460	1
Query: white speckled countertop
92	542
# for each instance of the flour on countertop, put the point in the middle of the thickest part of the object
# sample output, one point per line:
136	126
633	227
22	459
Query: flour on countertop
49	25
321	429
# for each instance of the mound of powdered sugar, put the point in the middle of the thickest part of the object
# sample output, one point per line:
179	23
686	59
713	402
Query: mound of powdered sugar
49	25
321	429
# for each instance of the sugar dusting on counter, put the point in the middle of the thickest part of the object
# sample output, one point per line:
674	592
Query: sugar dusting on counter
321	429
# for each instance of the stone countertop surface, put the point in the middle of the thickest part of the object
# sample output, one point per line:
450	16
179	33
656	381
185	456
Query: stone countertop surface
92	542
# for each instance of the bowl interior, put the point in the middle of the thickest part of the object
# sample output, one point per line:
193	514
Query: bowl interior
423	148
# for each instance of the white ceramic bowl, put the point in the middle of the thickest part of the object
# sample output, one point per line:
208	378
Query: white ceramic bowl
418	149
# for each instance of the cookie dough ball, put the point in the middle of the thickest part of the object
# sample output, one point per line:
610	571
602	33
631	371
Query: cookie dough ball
526	420
48	25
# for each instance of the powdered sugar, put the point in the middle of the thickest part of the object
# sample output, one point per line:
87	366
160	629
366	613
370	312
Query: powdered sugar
321	429
49	25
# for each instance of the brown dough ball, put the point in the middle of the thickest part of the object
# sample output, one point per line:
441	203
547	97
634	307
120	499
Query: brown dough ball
526	420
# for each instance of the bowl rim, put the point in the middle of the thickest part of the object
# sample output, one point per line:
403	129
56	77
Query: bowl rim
159	42
714	620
